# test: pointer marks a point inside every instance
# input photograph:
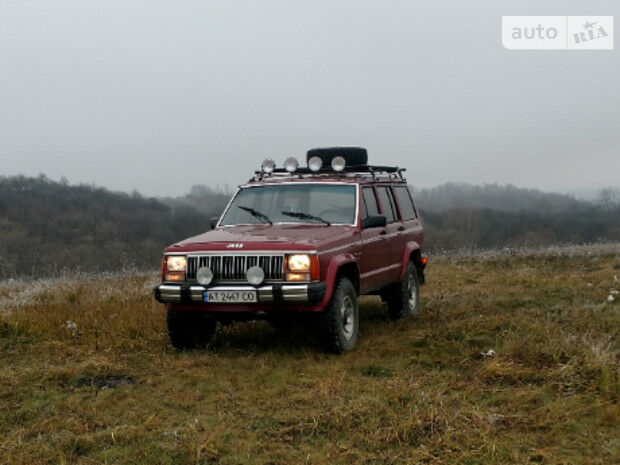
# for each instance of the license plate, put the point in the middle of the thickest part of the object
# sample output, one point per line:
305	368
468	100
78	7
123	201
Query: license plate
233	297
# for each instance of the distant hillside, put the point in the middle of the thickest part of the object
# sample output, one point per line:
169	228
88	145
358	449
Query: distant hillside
480	228
47	227
494	197
204	199
458	216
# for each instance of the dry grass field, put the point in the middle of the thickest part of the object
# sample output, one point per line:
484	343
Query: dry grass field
514	359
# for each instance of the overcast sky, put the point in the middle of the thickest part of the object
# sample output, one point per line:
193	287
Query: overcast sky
158	96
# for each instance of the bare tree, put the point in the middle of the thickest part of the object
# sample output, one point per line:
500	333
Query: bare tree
608	197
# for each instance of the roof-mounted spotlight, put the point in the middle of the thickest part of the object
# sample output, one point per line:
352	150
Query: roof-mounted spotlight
338	163
315	164
291	164
268	166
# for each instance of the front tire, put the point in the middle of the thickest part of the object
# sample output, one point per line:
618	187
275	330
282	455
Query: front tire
406	297
189	330
339	322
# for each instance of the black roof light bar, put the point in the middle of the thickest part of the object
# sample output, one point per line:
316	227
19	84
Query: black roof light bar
370	170
332	161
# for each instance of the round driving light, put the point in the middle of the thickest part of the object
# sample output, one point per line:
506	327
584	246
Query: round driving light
268	166
315	164
338	163
255	275
291	164
204	276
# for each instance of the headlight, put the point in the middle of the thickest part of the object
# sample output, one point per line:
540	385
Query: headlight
299	263
176	263
302	267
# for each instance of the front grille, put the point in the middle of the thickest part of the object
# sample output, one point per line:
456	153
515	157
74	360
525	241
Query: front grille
234	267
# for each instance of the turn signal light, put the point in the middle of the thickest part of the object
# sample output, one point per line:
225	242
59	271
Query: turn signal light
314	268
162	269
424	260
298	276
175	276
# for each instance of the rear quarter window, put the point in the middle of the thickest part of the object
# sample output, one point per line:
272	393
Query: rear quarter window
405	203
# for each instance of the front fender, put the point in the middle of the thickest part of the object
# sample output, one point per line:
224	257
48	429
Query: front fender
332	271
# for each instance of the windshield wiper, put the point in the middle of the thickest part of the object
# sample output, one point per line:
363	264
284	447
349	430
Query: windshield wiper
306	216
256	214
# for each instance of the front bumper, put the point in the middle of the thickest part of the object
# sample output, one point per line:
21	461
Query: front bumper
311	293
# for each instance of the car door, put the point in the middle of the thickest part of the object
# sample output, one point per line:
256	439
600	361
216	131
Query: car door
374	245
393	252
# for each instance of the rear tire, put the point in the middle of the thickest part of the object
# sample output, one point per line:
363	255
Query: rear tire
339	322
189	330
405	299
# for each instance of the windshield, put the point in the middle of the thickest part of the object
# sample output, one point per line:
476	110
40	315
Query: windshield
293	203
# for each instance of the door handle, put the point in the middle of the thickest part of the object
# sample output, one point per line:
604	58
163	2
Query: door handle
383	233
402	228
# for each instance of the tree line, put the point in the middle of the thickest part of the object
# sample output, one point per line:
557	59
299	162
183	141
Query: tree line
49	227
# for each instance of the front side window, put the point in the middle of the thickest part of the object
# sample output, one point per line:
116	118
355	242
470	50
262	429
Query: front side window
293	203
371	208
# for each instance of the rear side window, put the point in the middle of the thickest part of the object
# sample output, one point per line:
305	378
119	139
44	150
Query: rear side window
387	202
405	203
371	208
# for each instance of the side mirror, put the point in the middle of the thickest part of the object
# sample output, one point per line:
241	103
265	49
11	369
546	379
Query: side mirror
377	221
214	221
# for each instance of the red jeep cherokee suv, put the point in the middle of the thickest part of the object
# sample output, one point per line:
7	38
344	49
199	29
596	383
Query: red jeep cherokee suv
299	243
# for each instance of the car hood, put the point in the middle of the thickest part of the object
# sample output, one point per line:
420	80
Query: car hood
267	237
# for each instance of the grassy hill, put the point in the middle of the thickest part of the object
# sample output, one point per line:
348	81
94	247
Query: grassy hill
514	359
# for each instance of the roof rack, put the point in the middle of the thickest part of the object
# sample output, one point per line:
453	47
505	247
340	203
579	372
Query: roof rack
355	170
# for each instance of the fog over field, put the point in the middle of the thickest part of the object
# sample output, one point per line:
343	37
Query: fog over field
158	96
